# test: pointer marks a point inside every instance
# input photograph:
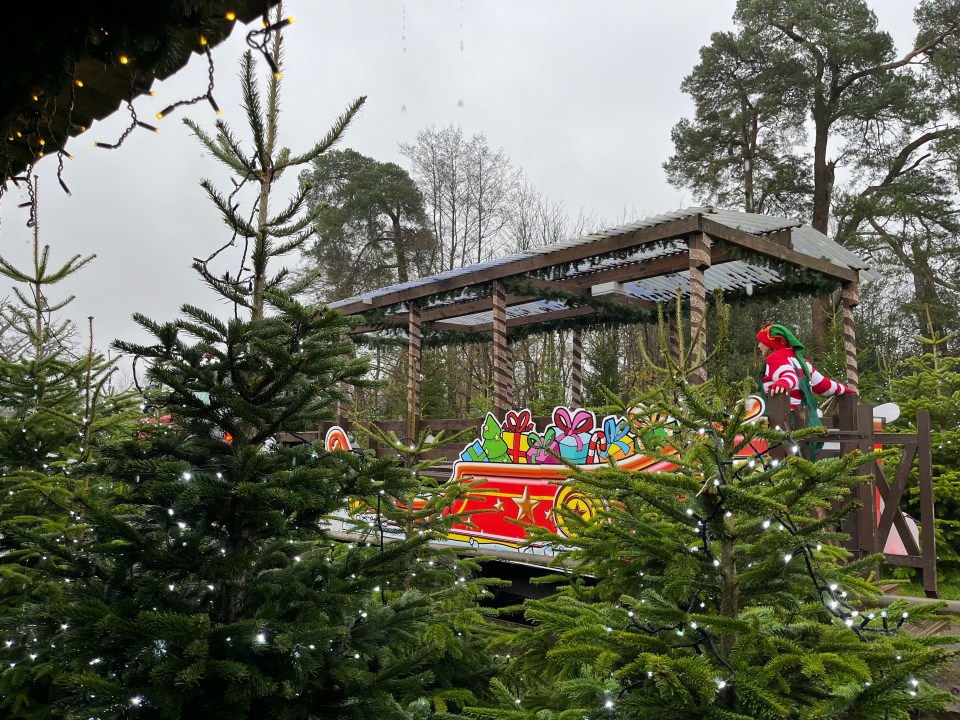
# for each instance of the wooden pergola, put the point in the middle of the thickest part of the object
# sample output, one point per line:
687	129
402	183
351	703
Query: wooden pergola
619	275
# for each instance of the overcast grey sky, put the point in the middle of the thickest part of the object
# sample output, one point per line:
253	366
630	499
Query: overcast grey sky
579	93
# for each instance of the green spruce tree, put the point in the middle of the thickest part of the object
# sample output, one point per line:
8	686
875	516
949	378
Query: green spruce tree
711	591
58	409
208	583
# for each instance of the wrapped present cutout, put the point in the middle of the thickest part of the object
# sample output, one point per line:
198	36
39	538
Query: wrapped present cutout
619	443
573	436
543	448
516	426
518	422
517	446
474	452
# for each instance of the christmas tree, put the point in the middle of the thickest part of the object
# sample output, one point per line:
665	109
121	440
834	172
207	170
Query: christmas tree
206	583
58	407
57	398
713	591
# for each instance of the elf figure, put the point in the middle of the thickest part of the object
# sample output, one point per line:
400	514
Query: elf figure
785	370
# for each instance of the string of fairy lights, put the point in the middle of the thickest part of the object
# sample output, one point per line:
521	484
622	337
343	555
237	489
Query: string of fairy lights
693	634
689	633
32	643
36	132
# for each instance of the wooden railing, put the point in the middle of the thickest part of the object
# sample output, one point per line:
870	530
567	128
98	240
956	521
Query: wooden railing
852	427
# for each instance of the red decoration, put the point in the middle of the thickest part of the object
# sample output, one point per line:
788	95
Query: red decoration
598	447
518	422
517	446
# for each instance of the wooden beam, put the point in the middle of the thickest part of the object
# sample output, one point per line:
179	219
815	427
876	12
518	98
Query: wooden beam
663	265
603	244
675	263
413	370
470	307
585	298
761	245
444	318
445	312
520	321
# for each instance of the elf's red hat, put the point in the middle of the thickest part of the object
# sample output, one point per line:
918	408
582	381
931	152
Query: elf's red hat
777	342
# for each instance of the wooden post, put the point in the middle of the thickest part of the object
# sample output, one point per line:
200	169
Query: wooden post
848	422
699	251
866	491
413	370
502	353
850	298
576	370
928	539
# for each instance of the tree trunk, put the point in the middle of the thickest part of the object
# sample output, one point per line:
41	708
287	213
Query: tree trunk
822	190
929	320
399	246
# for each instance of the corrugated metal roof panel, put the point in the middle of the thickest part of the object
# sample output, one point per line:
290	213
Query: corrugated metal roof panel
806	240
732	276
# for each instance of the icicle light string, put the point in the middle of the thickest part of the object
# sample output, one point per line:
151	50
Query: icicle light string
135	122
31	199
259	39
208	95
46	116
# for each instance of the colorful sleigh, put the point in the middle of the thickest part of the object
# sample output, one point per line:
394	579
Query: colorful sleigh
519	476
